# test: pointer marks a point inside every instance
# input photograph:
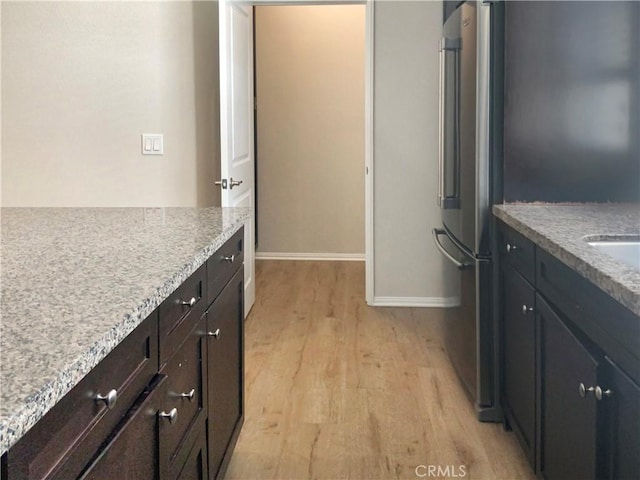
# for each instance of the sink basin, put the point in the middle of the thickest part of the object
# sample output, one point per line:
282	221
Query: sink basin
624	248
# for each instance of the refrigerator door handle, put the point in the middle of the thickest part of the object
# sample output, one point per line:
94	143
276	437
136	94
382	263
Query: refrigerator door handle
460	265
445	199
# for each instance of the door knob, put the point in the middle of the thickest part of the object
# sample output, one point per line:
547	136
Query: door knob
234	183
222	183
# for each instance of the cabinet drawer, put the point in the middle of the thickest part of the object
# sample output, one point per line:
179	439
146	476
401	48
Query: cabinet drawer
65	439
130	451
223	264
180	312
517	251
606	322
186	393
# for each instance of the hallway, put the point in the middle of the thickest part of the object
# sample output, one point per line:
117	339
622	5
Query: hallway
337	389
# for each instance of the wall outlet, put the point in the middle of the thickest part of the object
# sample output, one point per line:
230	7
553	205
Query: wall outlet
152	144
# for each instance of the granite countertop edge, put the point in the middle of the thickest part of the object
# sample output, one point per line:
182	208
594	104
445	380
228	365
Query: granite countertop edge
14	427
618	288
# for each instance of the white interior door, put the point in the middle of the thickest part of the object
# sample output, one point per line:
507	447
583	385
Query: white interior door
236	123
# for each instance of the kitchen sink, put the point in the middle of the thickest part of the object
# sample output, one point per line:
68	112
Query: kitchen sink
624	248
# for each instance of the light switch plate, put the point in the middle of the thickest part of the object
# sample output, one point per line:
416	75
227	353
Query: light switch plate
152	144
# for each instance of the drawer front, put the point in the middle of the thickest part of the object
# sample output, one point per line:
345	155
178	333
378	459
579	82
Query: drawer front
224	264
613	327
131	450
186	393
180	312
517	251
65	439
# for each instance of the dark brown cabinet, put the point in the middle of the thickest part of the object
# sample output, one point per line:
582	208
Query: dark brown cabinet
569	410
186	398
519	379
166	404
224	320
570	367
62	443
131	451
621	395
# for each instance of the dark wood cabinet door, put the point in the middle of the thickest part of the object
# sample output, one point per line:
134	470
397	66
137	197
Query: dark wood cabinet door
568	419
195	467
518	337
225	373
621	398
132	450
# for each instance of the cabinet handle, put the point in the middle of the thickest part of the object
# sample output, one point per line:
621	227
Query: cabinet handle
172	415
229	258
190	303
109	399
189	395
526	309
582	390
599	393
511	248
215	334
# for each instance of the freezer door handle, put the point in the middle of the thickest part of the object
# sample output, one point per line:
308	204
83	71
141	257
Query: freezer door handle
460	265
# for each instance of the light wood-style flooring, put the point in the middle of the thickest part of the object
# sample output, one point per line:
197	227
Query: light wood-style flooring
337	389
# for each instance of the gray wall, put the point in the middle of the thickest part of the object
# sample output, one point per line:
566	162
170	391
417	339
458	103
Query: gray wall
407	264
83	80
310	86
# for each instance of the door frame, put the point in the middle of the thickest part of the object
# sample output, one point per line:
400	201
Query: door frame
368	124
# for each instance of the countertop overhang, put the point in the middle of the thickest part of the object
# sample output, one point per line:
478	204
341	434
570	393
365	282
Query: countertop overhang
76	281
560	229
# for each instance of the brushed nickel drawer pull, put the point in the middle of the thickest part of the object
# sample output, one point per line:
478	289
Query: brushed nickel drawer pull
583	391
229	259
189	395
600	393
526	309
215	334
109	399
511	248
172	415
190	303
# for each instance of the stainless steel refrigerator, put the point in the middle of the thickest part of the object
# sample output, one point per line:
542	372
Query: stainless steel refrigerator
465	196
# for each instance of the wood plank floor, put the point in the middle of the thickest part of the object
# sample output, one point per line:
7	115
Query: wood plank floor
337	389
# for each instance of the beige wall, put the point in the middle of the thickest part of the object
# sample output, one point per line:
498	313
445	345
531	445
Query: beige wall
407	264
310	86
83	80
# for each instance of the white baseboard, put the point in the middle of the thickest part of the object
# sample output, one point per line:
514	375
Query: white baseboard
439	302
345	257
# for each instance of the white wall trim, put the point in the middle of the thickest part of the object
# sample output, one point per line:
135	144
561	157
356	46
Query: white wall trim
439	302
369	266
344	257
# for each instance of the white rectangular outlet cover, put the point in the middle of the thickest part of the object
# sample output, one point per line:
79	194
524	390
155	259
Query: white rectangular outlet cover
152	144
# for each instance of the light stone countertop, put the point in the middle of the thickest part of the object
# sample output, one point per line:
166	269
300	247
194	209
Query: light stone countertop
76	281
560	230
